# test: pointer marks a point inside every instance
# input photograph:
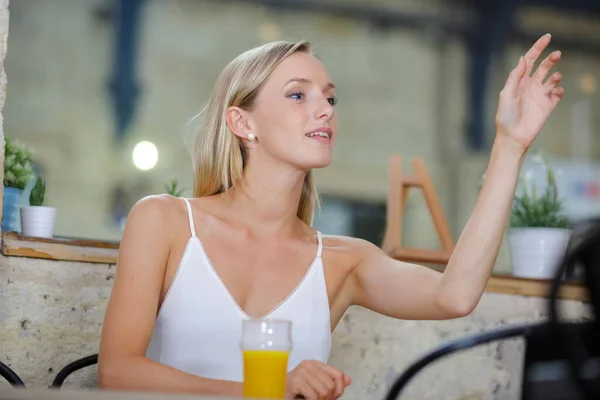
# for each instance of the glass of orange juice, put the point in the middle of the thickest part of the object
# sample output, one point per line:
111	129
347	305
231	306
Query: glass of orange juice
266	345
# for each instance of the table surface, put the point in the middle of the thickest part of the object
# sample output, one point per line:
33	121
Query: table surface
71	394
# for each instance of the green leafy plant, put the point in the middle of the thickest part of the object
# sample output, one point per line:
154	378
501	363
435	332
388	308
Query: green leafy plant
38	192
173	188
531	211
18	169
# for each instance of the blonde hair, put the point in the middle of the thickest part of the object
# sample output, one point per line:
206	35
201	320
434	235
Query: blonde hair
218	155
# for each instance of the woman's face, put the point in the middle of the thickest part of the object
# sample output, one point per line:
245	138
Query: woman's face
293	117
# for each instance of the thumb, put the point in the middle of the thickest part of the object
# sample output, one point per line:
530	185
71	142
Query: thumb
347	380
515	77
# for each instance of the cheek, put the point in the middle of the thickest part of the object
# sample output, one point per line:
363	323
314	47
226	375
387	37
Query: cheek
282	124
279	134
333	124
274	117
334	120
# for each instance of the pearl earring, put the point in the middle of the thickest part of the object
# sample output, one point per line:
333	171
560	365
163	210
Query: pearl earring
251	136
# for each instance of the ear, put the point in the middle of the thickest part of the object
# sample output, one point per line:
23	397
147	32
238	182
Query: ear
238	122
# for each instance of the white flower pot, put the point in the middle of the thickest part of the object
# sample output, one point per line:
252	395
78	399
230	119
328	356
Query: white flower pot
537	252
38	221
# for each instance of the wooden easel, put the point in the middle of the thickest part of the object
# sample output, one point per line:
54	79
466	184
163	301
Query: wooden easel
399	186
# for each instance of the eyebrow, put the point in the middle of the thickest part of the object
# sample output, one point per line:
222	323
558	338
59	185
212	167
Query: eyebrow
329	85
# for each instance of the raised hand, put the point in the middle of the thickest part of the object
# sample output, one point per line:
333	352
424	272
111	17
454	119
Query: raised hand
527	99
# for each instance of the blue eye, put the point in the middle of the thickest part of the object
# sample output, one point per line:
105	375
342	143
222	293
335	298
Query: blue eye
300	96
297	96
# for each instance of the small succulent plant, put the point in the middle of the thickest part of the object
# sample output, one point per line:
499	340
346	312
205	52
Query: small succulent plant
38	192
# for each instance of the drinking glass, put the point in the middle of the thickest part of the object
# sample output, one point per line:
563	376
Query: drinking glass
266	345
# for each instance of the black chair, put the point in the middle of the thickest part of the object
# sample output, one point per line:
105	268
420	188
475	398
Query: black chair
10	376
546	372
72	367
453	347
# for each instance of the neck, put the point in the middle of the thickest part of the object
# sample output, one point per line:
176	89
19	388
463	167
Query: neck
267	198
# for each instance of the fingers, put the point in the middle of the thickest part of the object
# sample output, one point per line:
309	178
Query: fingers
525	66
304	387
314	380
557	95
321	381
514	79
325	387
546	65
306	391
338	378
552	90
552	82
536	50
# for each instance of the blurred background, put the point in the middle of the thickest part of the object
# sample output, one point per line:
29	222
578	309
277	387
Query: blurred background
103	92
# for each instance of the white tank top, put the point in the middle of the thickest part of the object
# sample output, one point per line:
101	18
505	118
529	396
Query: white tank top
199	325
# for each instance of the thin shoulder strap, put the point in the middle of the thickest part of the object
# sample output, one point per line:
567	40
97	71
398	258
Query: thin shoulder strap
190	216
320	239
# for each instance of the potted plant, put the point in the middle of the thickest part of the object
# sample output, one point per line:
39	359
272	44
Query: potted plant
173	188
18	172
36	219
539	232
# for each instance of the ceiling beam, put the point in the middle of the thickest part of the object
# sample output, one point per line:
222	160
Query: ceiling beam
459	23
375	15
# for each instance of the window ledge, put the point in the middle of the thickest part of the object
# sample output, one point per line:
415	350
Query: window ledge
91	251
508	284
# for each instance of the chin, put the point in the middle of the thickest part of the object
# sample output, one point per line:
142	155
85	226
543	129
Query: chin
312	160
318	164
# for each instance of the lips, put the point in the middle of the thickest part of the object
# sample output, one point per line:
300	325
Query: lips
320	133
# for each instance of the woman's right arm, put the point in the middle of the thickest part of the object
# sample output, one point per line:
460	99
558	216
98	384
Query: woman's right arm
133	305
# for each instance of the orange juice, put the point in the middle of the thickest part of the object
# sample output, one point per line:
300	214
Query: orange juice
265	373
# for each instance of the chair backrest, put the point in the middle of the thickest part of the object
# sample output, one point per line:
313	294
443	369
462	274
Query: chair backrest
546	370
72	367
10	376
452	347
546	373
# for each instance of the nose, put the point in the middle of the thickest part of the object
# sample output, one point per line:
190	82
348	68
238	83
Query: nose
324	110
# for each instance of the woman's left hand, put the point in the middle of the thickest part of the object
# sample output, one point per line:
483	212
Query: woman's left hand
527	99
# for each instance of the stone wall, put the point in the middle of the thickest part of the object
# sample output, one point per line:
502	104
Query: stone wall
51	314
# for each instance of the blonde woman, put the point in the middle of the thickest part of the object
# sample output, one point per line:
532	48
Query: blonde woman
190	270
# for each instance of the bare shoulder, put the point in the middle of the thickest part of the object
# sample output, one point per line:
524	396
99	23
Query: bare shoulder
153	216
354	250
156	209
348	243
159	206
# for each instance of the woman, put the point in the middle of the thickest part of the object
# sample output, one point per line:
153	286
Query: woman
190	270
